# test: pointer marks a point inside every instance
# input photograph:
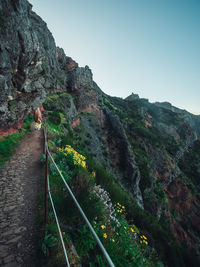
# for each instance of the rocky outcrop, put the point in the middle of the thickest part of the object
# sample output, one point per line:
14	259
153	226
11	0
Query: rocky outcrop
66	63
193	120
86	100
163	140
62	102
79	79
31	65
28	62
7	130
126	157
185	222
132	97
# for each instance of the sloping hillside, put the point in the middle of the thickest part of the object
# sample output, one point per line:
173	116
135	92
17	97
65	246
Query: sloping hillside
143	147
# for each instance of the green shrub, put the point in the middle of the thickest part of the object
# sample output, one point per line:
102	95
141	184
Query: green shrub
190	164
9	143
55	118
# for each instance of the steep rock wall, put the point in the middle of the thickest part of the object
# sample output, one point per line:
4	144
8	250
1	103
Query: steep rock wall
28	63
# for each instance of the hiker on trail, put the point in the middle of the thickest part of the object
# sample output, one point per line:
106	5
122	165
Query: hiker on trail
37	118
37	115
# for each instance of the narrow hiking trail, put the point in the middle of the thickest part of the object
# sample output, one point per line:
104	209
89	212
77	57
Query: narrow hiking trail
19	186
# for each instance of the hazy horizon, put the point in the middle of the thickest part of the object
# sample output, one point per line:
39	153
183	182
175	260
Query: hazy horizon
150	48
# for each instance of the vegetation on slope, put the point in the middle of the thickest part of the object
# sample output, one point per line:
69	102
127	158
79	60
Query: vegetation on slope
190	165
9	143
102	199
147	141
83	182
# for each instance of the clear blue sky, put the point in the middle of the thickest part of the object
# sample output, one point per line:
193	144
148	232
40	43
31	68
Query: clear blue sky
149	47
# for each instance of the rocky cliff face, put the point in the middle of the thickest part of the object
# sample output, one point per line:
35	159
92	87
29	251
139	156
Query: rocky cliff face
28	63
170	144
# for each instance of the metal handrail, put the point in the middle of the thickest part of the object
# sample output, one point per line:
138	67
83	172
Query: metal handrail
48	191
58	225
79	207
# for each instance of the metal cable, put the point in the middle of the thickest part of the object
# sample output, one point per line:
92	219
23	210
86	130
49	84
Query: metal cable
54	211
58	225
81	211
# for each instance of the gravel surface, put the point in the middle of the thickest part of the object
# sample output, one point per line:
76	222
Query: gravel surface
19	187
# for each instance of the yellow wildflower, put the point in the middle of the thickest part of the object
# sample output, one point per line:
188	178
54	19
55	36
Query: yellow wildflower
93	174
103	226
77	158
38	125
105	235
132	230
143	237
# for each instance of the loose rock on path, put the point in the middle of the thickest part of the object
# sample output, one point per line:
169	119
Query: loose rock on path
19	186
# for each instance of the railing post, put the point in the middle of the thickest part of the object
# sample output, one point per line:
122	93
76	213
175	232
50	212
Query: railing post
46	190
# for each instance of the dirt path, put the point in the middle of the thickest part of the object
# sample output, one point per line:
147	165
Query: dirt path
19	186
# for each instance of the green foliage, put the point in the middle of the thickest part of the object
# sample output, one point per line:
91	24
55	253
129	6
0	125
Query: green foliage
148	133
84	241
9	143
109	104
49	242
59	102
190	164
159	192
98	261
124	243
130	115
128	112
54	129
158	230
171	145
107	181
12	105
165	116
55	118
82	183
43	159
